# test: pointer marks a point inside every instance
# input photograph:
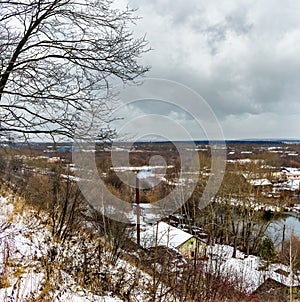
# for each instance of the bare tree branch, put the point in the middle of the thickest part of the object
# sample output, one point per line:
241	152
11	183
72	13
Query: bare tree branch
57	58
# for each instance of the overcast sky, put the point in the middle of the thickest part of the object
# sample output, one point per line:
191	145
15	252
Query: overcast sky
242	57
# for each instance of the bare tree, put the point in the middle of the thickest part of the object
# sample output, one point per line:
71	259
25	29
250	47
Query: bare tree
56	59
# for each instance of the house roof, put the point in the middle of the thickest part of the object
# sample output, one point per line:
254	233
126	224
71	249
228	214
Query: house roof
260	182
251	277
245	272
164	234
290	170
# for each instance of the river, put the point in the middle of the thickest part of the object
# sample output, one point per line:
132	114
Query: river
291	224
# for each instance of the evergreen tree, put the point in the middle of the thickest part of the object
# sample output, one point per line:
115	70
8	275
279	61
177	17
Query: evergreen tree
267	250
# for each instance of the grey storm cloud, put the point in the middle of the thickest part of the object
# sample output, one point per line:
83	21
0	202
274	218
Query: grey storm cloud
241	56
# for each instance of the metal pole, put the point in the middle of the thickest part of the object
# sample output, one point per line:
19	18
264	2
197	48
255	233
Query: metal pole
283	238
137	199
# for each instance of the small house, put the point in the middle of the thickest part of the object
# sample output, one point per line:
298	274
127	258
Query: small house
248	272
165	235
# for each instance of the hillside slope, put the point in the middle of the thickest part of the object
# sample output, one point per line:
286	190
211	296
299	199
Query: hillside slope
35	266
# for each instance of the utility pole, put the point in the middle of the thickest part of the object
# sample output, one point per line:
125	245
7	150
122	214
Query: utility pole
283	238
138	210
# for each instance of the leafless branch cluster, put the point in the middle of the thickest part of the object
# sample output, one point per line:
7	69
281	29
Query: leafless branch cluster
58	59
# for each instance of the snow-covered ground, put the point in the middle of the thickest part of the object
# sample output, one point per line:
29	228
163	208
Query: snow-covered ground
25	243
23	240
247	272
251	204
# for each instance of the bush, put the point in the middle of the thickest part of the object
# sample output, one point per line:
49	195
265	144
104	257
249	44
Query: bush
267	250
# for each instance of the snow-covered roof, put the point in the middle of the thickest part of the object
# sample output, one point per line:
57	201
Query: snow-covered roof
291	170
293	184
260	182
164	235
223	252
293	154
245	271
